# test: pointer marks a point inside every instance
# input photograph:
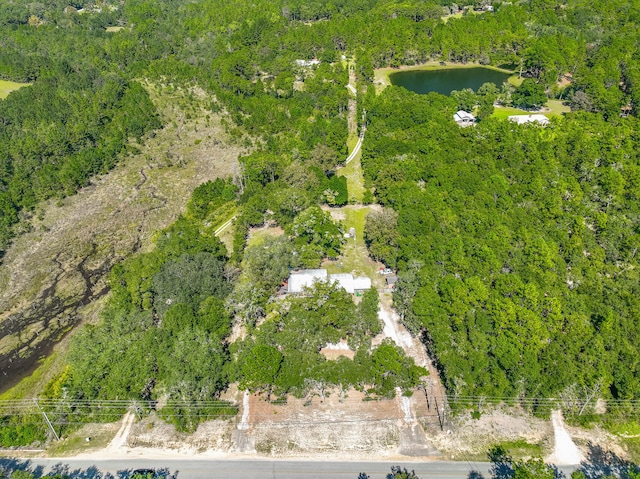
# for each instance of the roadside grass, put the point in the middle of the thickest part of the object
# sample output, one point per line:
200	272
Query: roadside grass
628	433
355	256
521	449
7	87
100	435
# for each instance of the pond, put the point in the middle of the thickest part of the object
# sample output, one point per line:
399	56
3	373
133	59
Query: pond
446	80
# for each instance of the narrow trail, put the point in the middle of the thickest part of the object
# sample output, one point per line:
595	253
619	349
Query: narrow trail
120	439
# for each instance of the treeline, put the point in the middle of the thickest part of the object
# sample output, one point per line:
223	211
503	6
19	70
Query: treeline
63	130
246	54
517	245
164	328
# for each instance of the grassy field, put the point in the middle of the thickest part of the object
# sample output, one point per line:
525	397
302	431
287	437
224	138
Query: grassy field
553	108
353	173
7	87
355	257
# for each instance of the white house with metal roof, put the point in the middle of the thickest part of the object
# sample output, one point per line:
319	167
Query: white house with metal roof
299	280
535	118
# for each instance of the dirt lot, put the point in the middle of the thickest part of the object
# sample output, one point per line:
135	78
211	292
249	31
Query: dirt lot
54	273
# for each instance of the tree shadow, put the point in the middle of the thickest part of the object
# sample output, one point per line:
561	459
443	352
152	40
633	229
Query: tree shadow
475	475
64	471
601	462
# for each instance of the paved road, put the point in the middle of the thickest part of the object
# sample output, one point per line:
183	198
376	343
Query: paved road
257	469
249	469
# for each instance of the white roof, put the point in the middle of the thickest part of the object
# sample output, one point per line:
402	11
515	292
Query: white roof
304	279
463	116
361	282
535	118
307	63
344	280
298	280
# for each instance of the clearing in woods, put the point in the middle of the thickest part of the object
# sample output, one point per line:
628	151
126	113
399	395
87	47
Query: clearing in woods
7	87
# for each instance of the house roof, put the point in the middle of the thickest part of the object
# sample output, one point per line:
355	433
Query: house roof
299	280
361	282
535	118
344	280
391	280
463	116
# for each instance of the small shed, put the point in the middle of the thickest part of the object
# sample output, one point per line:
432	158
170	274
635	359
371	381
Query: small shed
391	281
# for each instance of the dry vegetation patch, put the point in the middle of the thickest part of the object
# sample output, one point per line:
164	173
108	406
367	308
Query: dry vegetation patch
53	273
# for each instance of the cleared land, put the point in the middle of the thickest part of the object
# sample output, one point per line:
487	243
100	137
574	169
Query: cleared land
53	276
7	87
552	108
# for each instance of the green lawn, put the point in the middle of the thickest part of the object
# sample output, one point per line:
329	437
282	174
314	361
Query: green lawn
355	256
553	108
7	87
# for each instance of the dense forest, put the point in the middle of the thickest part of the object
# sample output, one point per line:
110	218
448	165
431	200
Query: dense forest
516	246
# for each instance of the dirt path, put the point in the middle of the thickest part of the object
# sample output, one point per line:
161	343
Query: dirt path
120	439
565	452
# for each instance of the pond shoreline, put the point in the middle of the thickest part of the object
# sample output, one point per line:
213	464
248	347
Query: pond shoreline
381	75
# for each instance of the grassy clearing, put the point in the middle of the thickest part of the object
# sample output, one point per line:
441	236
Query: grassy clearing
553	108
355	257
469	11
354	175
7	87
556	108
515	80
258	235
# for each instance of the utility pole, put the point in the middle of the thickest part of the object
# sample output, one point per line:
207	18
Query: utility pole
46	418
